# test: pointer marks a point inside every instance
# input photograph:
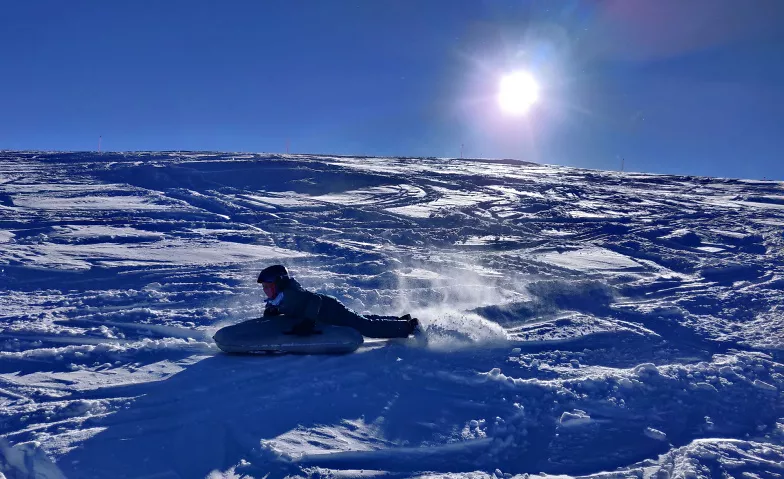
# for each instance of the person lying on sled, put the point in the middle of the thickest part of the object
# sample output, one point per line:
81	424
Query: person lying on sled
285	296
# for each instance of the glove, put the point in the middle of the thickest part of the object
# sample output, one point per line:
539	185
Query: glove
304	328
271	311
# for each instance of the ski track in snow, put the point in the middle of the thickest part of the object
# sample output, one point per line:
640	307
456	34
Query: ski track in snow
580	323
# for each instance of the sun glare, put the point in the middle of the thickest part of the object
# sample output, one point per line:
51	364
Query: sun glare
517	92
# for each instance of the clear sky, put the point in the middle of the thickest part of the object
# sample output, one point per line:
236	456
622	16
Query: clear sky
672	86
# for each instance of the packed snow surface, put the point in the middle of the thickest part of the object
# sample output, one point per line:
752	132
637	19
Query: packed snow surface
579	323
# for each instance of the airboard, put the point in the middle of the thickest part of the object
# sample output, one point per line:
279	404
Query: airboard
267	335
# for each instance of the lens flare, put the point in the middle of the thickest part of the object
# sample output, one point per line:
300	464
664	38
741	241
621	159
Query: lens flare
517	92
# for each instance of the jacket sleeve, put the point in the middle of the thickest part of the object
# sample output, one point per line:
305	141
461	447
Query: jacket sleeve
301	304
312	306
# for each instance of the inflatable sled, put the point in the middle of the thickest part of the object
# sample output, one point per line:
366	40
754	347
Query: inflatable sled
269	335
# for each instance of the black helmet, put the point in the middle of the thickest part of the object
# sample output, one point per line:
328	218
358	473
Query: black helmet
273	274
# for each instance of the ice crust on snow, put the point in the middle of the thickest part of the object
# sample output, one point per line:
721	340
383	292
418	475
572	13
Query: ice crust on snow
574	418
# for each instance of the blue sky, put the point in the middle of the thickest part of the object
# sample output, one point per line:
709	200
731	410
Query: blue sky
671	86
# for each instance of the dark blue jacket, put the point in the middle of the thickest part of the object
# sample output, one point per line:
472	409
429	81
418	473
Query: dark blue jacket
295	301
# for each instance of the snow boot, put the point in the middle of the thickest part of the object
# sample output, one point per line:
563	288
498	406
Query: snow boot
417	333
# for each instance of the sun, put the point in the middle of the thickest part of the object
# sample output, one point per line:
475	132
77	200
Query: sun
517	92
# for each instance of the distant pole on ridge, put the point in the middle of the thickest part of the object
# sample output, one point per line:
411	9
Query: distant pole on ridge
623	163
99	143
461	150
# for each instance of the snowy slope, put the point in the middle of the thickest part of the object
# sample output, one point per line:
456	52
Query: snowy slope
580	322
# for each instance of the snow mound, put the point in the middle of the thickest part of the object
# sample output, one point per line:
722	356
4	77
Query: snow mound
26	461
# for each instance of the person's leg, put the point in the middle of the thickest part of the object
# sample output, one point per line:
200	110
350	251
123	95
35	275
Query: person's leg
372	326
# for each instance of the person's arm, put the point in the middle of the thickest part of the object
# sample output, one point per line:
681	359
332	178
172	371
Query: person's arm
301	304
312	306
